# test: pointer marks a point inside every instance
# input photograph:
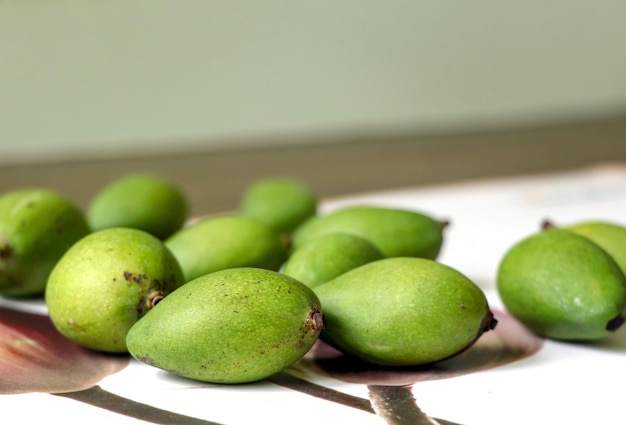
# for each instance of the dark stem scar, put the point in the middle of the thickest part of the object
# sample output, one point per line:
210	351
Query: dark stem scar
615	323
315	320
5	250
147	302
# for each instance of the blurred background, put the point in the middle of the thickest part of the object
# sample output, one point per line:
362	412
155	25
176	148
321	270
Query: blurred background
441	90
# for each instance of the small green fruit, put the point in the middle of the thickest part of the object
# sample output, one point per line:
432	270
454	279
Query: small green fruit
232	326
107	281
395	232
562	286
403	312
227	241
328	256
279	202
37	226
141	201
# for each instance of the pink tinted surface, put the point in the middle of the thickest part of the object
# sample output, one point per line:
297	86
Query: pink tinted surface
35	357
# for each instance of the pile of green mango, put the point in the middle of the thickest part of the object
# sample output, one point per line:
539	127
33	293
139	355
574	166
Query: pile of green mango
236	297
99	269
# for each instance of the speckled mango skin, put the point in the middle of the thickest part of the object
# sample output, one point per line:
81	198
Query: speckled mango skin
226	241
395	232
231	326
403	312
562	286
37	226
328	256
106	282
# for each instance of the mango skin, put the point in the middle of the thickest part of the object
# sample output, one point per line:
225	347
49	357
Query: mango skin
143	201
562	286
328	256
231	326
282	203
395	232
221	242
105	282
403	311
610	236
37	226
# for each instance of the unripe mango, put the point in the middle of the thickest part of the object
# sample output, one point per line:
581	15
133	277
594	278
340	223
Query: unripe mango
395	232
37	226
231	326
281	203
143	201
221	242
563	286
403	311
328	256
105	282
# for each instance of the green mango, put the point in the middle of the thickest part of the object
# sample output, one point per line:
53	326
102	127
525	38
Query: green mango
231	326
143	201
37	226
610	236
562	286
403	311
226	241
105	282
328	256
281	203
395	232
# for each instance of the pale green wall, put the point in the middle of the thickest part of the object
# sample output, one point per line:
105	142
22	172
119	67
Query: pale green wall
90	77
